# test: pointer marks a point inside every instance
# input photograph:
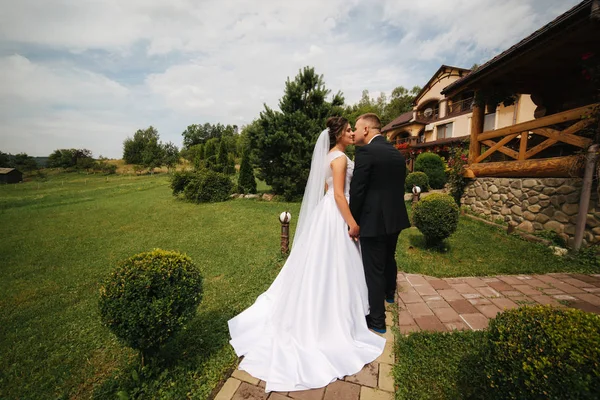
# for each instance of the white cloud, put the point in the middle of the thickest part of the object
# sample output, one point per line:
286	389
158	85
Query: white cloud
88	73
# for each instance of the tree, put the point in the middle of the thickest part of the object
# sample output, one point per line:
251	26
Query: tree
282	142
246	179
4	160
134	148
24	163
401	101
210	153
71	158
153	154
225	160
171	155
196	134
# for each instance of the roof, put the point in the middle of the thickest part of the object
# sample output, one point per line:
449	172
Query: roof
398	121
434	76
524	45
440	142
4	171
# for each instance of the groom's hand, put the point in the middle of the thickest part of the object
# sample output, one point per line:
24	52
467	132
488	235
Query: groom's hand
354	231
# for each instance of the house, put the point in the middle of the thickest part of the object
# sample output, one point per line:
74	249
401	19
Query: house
10	175
438	121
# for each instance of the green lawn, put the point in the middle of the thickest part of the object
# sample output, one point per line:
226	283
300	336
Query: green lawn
60	240
61	236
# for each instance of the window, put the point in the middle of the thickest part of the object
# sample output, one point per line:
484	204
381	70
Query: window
444	131
489	122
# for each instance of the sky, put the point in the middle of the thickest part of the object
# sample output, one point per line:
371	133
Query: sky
89	73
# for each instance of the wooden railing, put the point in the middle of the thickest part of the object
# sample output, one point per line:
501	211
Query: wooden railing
457	107
524	164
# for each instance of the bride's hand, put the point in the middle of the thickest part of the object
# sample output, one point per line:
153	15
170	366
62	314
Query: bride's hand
354	231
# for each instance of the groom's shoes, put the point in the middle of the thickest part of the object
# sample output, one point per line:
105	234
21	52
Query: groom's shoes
382	331
390	300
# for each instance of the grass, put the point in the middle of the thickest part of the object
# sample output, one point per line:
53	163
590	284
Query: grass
63	234
477	249
60	240
437	365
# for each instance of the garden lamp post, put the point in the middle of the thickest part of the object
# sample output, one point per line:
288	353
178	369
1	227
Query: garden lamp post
285	218
416	191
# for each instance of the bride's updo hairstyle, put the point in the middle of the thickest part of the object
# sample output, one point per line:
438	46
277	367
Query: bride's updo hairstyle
336	126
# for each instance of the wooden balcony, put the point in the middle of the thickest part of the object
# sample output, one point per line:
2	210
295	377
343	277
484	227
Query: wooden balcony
514	142
460	107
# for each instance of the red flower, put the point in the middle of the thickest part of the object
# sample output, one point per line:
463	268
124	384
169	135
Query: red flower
586	75
587	55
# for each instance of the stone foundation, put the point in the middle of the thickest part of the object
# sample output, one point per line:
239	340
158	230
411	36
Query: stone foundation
535	204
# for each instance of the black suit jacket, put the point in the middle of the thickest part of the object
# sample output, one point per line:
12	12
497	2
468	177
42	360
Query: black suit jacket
377	189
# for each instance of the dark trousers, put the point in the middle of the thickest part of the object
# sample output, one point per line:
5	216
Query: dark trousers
378	254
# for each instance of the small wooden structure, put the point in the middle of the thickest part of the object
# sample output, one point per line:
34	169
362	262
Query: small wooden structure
548	65
10	175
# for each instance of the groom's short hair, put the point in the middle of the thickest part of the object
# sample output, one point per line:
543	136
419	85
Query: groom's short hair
371	119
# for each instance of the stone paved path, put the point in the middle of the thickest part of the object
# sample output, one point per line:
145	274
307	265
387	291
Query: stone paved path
434	304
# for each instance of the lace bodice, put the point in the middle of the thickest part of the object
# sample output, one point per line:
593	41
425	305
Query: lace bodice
349	172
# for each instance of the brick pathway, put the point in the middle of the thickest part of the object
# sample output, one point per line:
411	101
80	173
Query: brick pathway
434	304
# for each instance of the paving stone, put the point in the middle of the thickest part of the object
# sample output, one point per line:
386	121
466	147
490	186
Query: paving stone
510	280
488	291
470	296
523	300
559	275
342	390
244	376
389	319
416	279
419	309
490	311
475	321
277	396
312	394
587	278
592	290
565	287
456	326
450	294
406	329
546	278
552	291
247	391
432	298
401	277
545	300
438	304
409	298
405	318
463	288
490	279
475	282
462	306
405	287
228	389
367	376
438	284
386	379
536	283
511	293
482	301
590	298
387	357
500	286
446	314
367	393
262	384
566	297
578	283
504	303
526	289
425	290
430	323
584	306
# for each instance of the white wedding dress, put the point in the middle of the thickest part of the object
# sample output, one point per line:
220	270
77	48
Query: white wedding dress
309	329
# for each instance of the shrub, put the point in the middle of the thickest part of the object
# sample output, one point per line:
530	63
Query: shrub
436	216
208	186
179	181
433	166
246	179
544	352
149	297
416	178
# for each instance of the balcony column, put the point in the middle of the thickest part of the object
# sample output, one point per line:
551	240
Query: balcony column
443	105
476	128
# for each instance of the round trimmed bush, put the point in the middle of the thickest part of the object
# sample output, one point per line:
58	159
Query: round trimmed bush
434	167
416	178
149	297
179	181
544	352
436	216
208	186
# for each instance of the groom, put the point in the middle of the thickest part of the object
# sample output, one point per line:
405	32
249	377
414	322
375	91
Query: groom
377	205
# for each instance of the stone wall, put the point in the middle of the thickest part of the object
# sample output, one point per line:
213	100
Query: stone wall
535	204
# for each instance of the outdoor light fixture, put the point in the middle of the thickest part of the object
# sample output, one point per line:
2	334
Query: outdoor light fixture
416	191
285	218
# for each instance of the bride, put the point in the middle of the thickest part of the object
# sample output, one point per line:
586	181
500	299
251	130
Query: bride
309	329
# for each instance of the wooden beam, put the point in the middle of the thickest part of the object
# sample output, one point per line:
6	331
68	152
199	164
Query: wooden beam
561	137
564	116
578	126
557	167
498	147
476	128
540	147
523	145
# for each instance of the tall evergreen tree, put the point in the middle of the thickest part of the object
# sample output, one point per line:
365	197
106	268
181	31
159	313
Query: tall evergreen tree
246	179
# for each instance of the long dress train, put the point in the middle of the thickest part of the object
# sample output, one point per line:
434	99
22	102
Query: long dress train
309	329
